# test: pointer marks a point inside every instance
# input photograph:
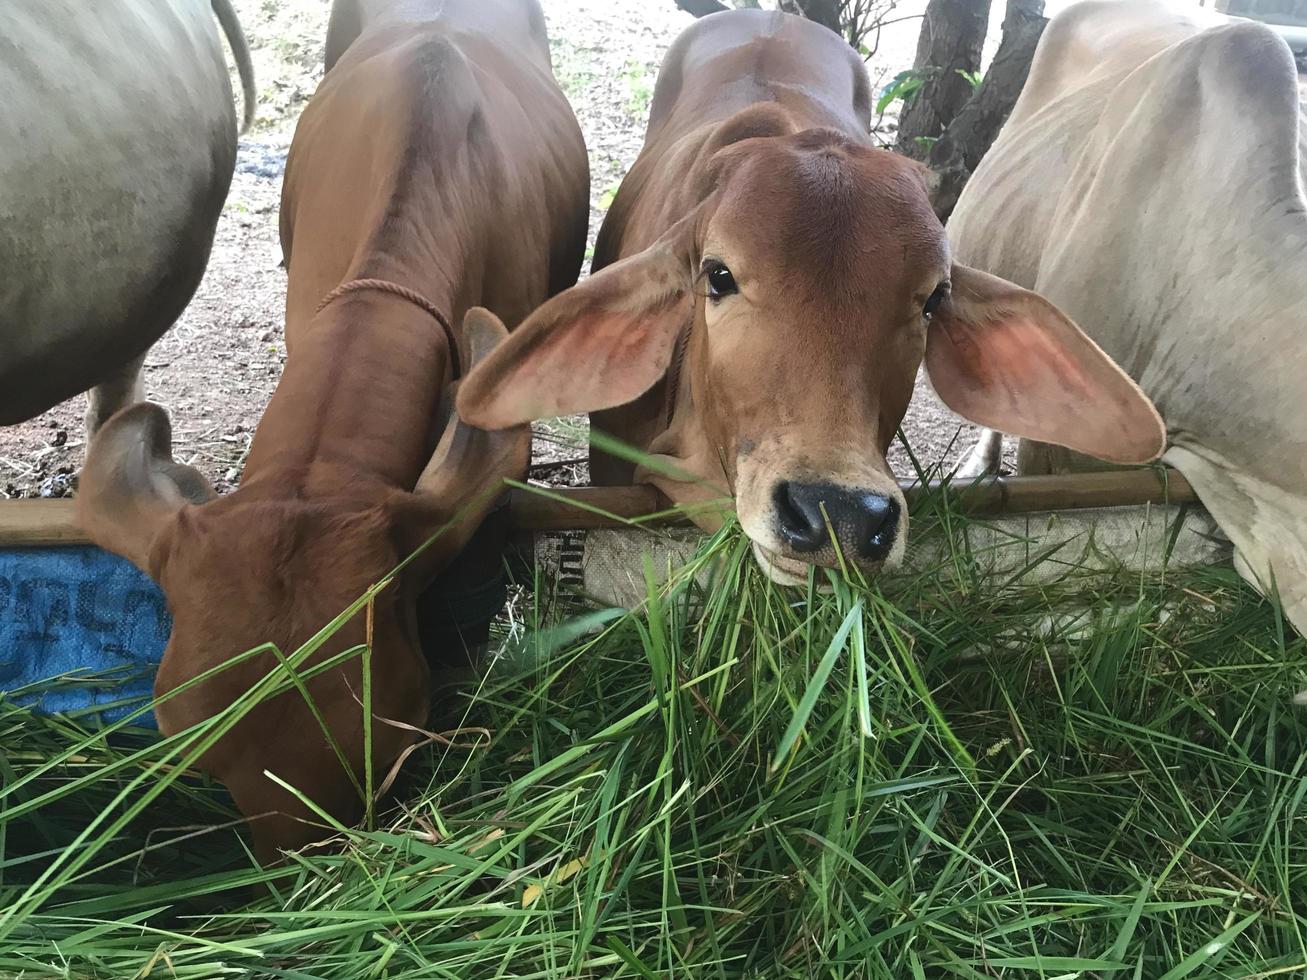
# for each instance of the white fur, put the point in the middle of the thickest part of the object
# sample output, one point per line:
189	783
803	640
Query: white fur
1149	183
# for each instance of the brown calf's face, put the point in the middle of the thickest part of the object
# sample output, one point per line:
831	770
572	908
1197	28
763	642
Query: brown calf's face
805	292
270	564
810	297
241	573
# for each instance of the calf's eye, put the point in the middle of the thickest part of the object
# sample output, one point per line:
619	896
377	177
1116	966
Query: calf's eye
720	281
936	298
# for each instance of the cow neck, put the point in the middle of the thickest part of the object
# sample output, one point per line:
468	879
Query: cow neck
406	293
355	404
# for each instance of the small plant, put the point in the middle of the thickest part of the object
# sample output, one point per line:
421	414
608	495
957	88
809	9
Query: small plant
901	87
973	78
904	85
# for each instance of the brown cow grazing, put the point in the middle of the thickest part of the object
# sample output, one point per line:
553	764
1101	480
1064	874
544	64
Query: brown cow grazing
437	167
770	285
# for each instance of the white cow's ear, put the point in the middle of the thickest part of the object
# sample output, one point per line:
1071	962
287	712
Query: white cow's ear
602	343
131	489
1007	358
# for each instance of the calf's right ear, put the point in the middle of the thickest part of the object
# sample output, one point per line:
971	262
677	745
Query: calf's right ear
602	343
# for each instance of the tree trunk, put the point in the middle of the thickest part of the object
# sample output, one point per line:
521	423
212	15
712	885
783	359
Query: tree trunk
701	8
957	153
952	35
823	12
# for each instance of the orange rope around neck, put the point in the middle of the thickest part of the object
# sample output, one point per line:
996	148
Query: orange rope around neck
403	292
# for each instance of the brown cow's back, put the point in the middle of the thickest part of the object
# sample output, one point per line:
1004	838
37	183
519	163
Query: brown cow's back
453	192
520	23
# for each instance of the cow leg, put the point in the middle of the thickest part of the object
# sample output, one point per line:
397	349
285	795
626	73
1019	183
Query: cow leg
343	29
985	457
454	614
1045	459
1035	458
124	387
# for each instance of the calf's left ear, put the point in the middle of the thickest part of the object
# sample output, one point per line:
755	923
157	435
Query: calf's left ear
1007	358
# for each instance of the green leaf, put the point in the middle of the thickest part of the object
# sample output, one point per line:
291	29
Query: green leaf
900	87
1038	962
1210	950
815	686
973	77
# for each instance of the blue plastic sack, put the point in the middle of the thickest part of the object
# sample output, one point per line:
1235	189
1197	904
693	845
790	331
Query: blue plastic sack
81	633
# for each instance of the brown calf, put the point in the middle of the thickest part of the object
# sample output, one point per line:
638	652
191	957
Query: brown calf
437	169
770	284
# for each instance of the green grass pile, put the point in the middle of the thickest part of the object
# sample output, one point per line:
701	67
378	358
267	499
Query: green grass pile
943	775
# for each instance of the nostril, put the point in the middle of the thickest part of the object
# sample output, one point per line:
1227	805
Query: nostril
882	524
800	524
865	523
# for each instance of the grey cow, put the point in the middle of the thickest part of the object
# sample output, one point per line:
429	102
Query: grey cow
117	146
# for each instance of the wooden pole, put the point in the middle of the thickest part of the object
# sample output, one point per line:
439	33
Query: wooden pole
52	523
990	495
39	524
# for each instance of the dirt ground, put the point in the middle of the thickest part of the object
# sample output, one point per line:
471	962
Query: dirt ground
217	367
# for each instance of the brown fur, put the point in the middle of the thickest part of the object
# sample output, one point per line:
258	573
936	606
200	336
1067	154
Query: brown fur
440	158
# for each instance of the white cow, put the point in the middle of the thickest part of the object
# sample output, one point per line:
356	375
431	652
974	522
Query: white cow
1149	182
117	146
